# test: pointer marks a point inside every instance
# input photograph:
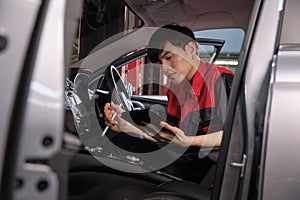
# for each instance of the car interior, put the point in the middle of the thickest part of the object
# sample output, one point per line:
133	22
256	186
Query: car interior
103	60
62	61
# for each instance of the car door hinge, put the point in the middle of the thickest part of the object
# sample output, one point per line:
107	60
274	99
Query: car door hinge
241	165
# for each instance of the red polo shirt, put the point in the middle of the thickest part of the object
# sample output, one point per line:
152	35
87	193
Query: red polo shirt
192	105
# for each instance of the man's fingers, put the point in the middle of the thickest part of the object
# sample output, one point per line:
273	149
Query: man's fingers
173	129
149	131
151	134
166	135
107	107
150	127
117	108
110	123
108	118
148	137
109	113
153	131
161	139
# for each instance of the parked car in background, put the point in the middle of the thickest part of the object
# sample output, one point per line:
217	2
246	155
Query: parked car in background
56	54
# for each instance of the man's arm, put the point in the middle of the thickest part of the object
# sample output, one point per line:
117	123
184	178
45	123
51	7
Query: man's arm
180	138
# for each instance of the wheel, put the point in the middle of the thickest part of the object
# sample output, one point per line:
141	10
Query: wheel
116	86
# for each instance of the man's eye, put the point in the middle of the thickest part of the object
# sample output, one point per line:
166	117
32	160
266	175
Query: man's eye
168	57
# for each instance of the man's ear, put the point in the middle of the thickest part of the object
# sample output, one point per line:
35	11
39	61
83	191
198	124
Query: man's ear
191	48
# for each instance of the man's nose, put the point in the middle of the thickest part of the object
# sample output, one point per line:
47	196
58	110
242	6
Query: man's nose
167	68
165	63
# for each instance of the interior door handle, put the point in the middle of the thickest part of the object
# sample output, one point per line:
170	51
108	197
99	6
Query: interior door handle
240	165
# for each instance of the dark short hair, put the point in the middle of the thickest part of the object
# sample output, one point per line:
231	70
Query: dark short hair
175	34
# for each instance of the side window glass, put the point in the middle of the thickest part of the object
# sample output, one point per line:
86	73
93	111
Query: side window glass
205	52
228	56
145	78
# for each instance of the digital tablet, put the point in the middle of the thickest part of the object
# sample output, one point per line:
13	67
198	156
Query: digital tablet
140	117
145	117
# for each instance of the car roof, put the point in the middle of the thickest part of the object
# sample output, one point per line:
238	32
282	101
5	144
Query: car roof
196	14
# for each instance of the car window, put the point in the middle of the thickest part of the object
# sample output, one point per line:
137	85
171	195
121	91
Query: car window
139	73
233	38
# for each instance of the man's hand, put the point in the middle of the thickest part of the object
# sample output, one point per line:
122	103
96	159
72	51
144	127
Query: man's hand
155	132
118	124
111	110
210	140
174	134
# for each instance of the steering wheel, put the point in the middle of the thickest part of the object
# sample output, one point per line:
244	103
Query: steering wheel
115	84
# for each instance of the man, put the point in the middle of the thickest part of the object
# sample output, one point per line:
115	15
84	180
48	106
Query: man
197	96
175	48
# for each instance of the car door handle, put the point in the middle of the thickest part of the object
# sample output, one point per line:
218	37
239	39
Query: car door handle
240	165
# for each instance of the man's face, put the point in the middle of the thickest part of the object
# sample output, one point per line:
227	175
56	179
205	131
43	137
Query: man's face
176	65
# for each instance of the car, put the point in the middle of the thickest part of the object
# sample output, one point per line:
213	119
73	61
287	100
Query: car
59	57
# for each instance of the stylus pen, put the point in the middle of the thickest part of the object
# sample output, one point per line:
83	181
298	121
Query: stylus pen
107	127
